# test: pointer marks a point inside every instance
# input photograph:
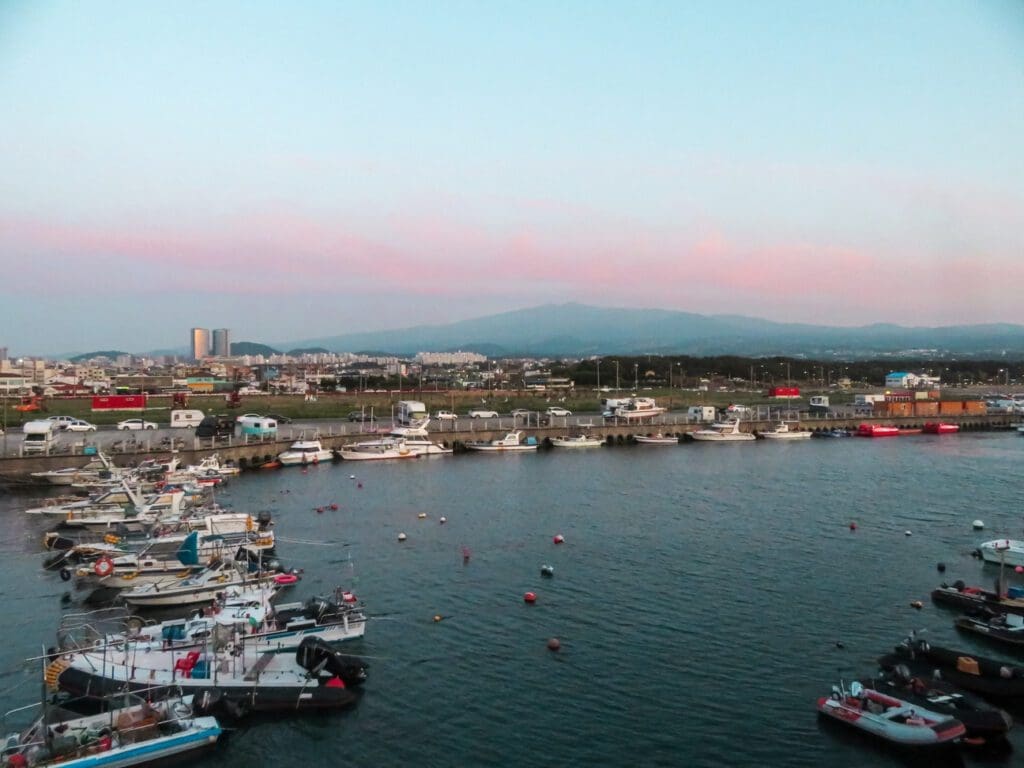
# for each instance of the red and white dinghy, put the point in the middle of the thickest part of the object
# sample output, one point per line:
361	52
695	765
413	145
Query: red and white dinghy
895	720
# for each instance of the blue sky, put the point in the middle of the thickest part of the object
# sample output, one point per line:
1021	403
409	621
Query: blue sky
296	170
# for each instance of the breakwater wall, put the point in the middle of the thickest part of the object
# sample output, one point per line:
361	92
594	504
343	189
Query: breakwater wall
17	470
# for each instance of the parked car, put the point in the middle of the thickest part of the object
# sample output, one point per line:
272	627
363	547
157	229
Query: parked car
521	412
216	426
737	409
80	425
360	416
279	419
135	424
62	422
482	413
446	416
557	410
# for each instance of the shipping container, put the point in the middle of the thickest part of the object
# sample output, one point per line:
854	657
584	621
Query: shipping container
788	393
119	402
975	407
926	408
951	407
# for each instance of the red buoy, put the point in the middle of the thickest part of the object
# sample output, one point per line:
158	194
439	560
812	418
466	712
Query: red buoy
320	510
359	485
559	538
853	526
554	644
334	507
530	597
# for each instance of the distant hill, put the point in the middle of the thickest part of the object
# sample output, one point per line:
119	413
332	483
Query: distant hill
308	351
111	353
579	330
252	348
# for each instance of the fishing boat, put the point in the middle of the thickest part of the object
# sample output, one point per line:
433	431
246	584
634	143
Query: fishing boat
247	616
877	430
982	720
657	439
989	677
377	450
416	439
510	443
940	428
576	441
966	598
204	586
220	676
1003	552
1005	628
97	467
723	432
136	733
835	432
893	719
782	431
305	452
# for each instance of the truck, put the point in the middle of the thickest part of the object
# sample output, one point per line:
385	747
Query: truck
701	412
819	404
411	412
40	436
216	426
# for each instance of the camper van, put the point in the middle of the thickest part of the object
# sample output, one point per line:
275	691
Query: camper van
701	412
258	426
611	405
40	436
411	412
186	418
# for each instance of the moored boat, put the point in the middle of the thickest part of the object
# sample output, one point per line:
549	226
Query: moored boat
982	720
940	428
377	450
510	443
890	718
782	431
576	441
1003	552
658	439
968	598
135	733
1005	628
723	432
877	430
989	677
305	452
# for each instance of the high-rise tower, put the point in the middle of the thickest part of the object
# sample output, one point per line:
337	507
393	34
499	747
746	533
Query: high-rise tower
200	343
221	342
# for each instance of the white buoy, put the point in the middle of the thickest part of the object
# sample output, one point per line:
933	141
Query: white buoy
906	533
351	477
421	515
401	537
443	520
978	525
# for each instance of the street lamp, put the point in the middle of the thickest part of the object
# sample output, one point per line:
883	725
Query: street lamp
616	376
599	374
636	378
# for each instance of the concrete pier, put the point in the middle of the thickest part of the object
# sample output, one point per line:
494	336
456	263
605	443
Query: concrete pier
17	470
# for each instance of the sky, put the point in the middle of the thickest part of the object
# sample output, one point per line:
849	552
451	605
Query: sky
297	170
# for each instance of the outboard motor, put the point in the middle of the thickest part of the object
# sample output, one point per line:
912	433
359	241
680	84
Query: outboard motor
316	656
315	607
264	520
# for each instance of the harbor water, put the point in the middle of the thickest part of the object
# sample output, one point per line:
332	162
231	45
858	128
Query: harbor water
704	597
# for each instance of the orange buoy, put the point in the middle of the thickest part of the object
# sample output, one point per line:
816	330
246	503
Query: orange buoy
530	597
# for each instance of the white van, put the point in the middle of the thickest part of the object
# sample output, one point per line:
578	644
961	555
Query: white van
40	436
702	412
186	418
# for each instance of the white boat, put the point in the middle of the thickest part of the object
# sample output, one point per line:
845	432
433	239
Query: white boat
247	617
202	587
1003	552
511	442
388	448
99	466
220	675
136	733
658	439
417	439
781	431
723	432
576	441
636	408
305	452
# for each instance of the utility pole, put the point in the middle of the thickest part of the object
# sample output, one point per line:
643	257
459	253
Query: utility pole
616	376
599	374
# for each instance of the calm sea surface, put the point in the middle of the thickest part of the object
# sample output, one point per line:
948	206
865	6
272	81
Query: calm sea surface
699	596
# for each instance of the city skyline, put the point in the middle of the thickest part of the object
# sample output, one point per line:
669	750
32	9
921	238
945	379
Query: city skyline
334	167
